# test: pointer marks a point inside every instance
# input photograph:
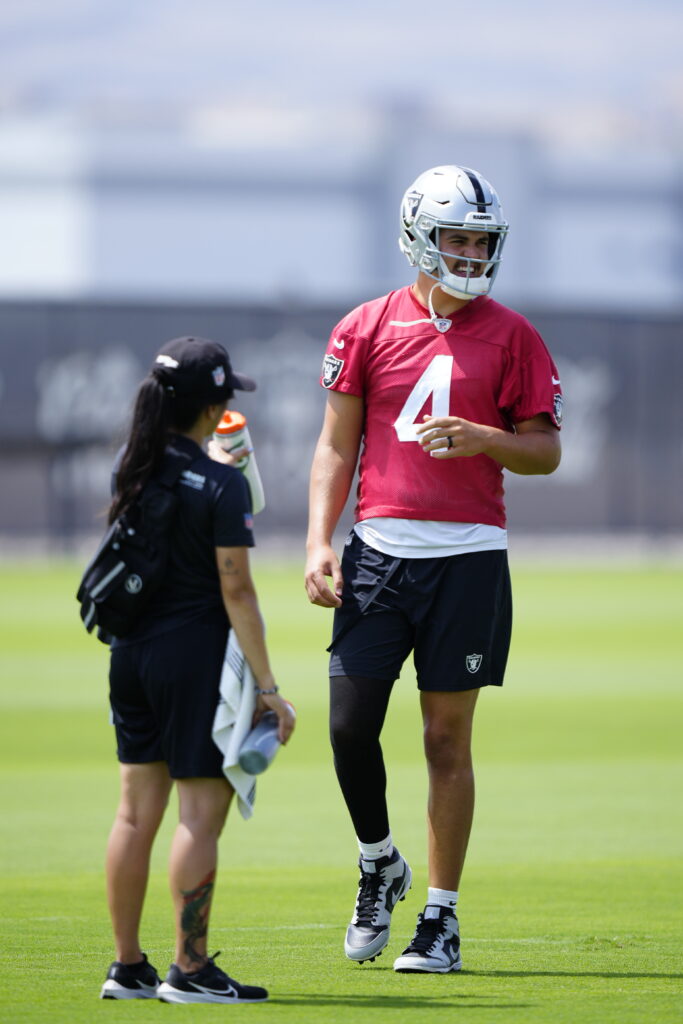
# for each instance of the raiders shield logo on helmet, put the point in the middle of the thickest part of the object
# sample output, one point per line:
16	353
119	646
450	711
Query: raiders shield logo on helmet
473	662
412	202
332	367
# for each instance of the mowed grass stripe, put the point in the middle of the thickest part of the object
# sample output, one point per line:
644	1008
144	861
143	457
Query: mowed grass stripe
571	902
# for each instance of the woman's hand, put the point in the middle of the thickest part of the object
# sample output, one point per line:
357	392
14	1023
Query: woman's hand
218	453
286	715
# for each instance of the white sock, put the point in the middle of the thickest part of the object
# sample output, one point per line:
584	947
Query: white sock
442	898
373	851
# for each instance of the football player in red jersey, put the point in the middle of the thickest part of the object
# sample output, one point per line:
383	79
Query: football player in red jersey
439	389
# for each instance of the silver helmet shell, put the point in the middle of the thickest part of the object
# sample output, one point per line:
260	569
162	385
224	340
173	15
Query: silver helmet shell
447	197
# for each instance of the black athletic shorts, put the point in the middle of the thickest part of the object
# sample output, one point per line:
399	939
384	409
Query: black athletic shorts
454	613
164	693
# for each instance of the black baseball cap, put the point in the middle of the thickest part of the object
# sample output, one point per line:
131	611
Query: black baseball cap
201	367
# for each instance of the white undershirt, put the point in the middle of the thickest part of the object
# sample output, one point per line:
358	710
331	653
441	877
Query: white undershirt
426	538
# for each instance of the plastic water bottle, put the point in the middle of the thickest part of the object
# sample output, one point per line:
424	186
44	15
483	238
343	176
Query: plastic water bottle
232	433
260	746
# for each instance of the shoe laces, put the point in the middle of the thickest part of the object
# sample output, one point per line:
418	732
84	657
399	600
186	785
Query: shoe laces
368	895
428	931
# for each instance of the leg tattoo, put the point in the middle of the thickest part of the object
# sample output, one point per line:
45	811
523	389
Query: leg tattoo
195	916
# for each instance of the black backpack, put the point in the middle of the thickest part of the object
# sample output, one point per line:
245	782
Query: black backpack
130	564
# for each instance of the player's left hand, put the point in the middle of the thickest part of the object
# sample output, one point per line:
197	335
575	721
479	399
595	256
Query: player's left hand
450	437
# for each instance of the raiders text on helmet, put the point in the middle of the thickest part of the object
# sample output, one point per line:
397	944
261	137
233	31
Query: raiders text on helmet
448	197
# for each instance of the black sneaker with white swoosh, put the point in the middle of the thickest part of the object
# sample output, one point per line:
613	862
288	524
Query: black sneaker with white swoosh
131	981
209	985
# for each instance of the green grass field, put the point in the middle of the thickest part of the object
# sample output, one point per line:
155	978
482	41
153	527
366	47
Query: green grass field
572	900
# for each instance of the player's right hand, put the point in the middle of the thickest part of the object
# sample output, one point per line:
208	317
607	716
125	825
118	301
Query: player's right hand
322	562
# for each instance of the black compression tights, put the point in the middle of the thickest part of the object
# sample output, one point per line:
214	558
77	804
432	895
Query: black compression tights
357	710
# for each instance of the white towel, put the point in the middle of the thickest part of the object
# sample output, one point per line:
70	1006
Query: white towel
233	721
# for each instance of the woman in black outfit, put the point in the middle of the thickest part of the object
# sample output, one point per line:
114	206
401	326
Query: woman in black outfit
164	676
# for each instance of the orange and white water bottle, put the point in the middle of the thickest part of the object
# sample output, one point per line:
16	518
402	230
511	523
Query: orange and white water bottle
231	434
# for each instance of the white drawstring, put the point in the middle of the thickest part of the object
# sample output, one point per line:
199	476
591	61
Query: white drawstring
433	317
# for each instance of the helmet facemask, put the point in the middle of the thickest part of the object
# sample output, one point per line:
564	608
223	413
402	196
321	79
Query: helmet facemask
479	274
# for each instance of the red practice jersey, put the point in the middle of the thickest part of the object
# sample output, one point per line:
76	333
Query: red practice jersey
485	363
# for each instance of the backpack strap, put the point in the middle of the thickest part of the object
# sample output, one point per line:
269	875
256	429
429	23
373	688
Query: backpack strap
174	465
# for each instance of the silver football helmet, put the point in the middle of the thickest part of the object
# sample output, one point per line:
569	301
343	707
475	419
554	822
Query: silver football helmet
447	197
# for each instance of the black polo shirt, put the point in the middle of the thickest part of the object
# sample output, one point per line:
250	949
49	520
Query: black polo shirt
214	511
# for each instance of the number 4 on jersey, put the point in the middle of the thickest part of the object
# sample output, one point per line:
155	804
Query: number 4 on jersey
435	381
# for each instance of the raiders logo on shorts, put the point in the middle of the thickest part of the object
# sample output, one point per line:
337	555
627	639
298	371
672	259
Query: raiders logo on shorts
332	367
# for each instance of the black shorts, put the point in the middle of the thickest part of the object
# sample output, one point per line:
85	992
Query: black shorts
454	613
164	693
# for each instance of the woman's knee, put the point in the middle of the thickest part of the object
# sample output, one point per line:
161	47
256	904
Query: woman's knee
144	795
203	804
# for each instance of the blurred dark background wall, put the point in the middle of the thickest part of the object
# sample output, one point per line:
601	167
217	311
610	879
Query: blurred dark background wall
68	371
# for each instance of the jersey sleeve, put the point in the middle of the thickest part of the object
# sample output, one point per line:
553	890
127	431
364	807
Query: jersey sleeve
343	366
233	520
531	383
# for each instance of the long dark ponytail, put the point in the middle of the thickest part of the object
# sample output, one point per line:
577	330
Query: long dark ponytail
158	411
